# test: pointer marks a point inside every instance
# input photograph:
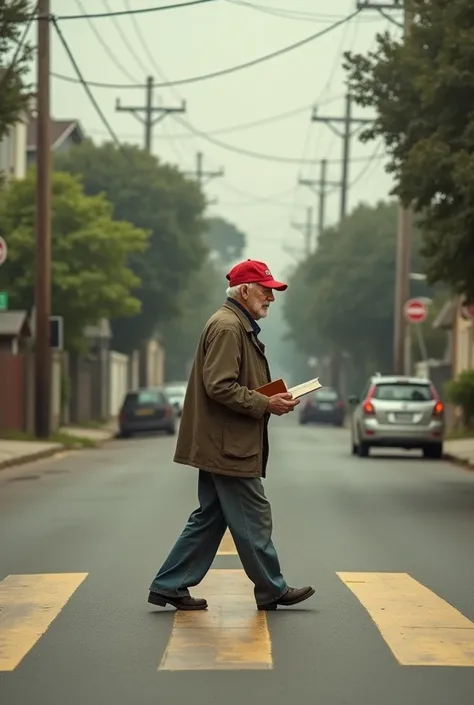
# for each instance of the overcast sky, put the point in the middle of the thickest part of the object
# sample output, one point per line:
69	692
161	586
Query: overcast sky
261	196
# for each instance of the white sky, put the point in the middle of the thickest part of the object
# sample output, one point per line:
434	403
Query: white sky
262	197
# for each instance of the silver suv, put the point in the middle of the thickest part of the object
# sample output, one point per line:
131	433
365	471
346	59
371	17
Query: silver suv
398	412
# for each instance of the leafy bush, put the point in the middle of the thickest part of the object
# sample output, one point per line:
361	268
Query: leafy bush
460	392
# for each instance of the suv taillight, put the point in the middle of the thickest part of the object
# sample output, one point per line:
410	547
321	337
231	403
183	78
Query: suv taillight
438	409
368	408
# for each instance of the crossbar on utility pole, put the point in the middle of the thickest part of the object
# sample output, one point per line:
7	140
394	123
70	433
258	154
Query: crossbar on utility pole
149	110
43	229
347	121
200	173
307	229
320	188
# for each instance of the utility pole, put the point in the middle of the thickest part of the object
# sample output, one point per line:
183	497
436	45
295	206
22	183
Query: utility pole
307	229
348	122
43	228
404	231
320	188
200	174
149	110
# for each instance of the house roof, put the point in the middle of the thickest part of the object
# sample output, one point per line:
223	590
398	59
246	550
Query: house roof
14	324
60	130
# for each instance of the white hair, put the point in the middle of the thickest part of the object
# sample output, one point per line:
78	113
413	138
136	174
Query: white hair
233	292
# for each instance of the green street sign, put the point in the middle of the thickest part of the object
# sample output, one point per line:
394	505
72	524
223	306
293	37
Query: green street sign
3	301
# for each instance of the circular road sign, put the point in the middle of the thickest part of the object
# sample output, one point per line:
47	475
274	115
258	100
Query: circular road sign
415	311
3	251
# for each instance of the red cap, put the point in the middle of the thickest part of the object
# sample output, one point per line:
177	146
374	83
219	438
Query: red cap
252	271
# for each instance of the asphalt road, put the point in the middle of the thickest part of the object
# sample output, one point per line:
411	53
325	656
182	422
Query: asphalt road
386	540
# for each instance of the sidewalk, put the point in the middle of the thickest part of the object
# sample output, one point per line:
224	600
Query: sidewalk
24	451
460	451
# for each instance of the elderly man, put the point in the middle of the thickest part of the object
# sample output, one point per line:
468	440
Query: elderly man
223	433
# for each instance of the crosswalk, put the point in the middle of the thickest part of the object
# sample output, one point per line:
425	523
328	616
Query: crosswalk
414	623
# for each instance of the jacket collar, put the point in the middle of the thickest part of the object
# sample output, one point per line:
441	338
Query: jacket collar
250	325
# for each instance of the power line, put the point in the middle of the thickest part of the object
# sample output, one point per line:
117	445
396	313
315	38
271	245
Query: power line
20	45
125	39
284	13
142	11
104	44
240	127
251	153
84	83
231	69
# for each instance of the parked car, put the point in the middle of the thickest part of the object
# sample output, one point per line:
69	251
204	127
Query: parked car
398	412
146	410
176	391
324	406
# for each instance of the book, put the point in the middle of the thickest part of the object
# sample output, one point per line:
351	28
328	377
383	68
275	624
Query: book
278	386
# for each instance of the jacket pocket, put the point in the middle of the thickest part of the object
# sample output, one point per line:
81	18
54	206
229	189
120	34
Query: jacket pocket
241	438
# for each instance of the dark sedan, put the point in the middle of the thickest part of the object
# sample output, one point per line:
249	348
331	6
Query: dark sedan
146	410
324	406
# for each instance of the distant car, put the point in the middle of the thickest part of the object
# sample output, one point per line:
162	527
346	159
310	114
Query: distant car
398	412
146	410
176	392
324	406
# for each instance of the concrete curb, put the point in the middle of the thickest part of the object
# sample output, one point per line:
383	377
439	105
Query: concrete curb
456	460
47	453
31	458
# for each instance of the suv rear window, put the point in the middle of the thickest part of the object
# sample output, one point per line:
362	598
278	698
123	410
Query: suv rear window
144	398
326	395
403	392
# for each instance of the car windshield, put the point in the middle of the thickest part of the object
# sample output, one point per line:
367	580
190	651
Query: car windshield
144	398
403	391
326	395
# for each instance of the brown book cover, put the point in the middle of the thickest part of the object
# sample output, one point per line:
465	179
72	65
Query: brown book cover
278	386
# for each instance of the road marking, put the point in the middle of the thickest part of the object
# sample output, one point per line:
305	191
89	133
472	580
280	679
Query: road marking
420	628
227	547
28	605
230	635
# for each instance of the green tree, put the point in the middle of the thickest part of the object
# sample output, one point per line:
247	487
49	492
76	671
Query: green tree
90	279
15	59
158	198
225	241
421	89
344	295
204	294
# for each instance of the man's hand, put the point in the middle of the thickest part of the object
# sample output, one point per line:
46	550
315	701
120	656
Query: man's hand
280	404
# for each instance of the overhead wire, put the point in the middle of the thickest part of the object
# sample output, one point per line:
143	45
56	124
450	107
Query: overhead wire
125	39
104	44
230	69
84	83
137	11
20	45
283	13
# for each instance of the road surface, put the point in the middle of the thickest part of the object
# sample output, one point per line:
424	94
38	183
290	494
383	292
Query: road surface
386	541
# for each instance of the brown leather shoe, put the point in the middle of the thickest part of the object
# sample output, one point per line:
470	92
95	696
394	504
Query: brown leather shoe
181	603
291	597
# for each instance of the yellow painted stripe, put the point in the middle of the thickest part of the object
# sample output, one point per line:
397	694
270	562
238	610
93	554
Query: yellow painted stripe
230	635
28	605
420	628
227	547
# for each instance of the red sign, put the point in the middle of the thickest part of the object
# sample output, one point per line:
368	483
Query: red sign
3	251
415	311
467	311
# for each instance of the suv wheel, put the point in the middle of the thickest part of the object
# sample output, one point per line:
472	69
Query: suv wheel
434	451
363	449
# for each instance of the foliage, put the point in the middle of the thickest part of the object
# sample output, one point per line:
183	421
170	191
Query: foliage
225	241
343	295
460	391
158	198
422	91
90	279
204	294
15	59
